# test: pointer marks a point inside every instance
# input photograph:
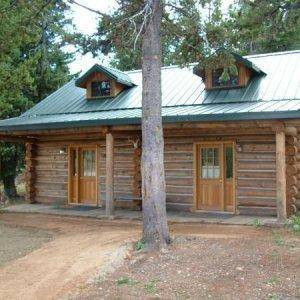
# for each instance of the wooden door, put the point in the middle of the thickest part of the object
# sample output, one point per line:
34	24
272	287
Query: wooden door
83	175
88	178
210	177
215	177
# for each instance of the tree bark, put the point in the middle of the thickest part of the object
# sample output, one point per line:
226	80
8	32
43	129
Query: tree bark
155	227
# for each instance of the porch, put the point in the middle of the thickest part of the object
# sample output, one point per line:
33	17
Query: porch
124	214
247	168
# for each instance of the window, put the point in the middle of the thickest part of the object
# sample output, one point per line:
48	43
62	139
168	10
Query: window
100	88
74	161
217	82
210	165
229	162
89	163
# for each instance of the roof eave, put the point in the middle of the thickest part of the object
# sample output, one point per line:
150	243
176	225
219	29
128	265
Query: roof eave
6	130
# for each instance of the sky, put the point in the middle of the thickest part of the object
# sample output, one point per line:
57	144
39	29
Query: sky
86	23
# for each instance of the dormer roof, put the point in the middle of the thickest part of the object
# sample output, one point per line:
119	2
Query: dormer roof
117	75
248	63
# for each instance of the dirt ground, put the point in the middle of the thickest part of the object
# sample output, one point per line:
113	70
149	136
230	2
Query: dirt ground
77	258
76	253
210	262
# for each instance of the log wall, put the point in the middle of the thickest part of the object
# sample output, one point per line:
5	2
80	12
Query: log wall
123	171
51	174
255	172
256	175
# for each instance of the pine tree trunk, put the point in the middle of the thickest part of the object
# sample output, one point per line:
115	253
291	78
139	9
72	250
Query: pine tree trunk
155	227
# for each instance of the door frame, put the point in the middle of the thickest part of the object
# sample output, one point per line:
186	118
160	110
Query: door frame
96	147
196	175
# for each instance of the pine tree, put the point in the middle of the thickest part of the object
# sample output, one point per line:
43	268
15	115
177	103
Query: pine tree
260	26
32	65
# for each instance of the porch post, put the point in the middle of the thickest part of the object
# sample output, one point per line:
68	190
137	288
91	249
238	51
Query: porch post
280	174
109	174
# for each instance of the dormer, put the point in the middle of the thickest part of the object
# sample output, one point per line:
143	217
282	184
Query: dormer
244	70
103	82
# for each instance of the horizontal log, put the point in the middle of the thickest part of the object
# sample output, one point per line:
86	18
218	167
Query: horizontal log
179	147
257	211
256	165
185	181
179	173
256	201
259	148
51	199
252	157
179	206
255	174
259	192
49	186
171	189
257	183
51	193
228	138
180	198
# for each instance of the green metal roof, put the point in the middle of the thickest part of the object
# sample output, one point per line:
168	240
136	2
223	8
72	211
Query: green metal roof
184	98
248	63
117	75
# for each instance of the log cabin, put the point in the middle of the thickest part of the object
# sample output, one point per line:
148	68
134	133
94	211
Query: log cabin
228	146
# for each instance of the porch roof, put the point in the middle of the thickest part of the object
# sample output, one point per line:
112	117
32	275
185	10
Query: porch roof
184	98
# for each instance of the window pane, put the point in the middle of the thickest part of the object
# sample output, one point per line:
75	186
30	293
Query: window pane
88	158
74	162
216	172
229	162
100	88
210	168
216	74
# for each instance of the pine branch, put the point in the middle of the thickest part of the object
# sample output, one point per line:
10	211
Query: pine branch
89	9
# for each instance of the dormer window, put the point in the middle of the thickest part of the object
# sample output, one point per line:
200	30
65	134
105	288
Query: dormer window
100	88
237	76
217	80
103	82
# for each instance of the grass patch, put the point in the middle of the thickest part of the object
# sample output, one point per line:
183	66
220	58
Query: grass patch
272	281
273	297
295	223
140	245
127	281
257	223
151	287
278	239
